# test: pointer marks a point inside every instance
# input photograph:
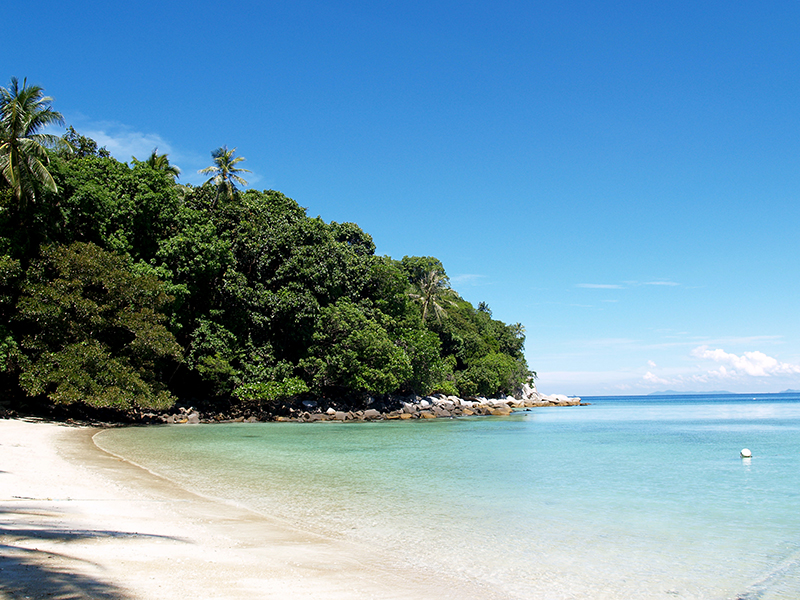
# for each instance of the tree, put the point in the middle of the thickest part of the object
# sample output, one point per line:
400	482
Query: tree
160	162
92	331
433	290
23	156
224	171
352	350
80	146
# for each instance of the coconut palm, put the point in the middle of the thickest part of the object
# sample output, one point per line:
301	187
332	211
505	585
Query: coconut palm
433	291
224	171
24	112
160	162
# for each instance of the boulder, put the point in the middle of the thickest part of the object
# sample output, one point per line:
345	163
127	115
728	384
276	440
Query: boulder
529	392
371	413
440	411
193	418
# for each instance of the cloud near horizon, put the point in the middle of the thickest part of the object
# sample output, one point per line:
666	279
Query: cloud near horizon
755	364
650	378
599	286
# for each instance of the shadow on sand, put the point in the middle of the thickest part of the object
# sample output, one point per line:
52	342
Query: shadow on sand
28	572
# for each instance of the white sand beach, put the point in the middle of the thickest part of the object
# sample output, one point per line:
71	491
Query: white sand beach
76	522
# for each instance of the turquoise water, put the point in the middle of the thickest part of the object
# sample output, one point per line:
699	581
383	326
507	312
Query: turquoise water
627	498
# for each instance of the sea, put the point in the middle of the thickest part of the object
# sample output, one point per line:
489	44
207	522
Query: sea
627	498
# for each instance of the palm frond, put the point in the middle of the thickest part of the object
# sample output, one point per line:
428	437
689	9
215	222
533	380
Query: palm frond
23	157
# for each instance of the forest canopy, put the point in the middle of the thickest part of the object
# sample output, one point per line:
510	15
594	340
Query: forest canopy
122	288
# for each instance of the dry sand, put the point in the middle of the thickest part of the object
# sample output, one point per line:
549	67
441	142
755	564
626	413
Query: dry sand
76	522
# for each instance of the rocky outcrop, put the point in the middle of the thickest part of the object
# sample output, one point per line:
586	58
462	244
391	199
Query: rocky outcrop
437	406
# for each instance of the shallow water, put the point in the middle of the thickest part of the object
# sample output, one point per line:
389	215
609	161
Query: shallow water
627	498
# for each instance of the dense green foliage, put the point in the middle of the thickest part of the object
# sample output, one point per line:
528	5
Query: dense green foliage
126	289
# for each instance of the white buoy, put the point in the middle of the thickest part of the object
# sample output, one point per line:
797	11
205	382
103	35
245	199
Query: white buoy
745	453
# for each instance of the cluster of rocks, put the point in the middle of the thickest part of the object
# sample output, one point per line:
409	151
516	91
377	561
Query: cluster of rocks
432	407
391	408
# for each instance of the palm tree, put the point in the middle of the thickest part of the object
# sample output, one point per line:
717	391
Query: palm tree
160	162
23	155
224	171
433	290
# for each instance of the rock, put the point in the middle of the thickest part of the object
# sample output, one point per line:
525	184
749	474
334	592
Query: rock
193	418
441	412
502	411
405	416
424	403
371	414
529	392
425	414
409	408
331	411
339	415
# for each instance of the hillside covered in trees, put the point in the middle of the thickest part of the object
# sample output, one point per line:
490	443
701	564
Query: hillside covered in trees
121	288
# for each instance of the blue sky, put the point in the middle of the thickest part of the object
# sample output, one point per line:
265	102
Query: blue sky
623	178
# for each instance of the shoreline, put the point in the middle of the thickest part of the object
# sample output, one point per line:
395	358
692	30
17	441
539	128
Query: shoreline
77	522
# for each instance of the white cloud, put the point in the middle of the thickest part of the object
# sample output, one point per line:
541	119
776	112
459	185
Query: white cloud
650	378
651	364
123	142
668	283
599	286
755	364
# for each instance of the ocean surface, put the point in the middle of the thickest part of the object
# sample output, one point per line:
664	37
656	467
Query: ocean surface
631	497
